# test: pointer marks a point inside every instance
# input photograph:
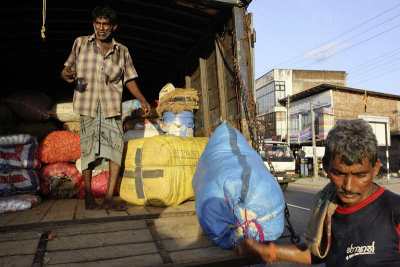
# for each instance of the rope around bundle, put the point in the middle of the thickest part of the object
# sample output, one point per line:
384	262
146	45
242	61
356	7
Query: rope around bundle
246	224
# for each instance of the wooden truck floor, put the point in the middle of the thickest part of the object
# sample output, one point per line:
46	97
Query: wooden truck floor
140	236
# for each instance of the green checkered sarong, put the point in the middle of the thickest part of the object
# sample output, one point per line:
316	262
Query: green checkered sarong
101	140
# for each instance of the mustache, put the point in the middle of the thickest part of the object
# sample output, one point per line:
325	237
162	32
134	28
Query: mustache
348	192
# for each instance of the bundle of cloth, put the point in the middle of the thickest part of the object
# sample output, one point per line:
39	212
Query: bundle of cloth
18	164
31	108
135	125
236	195
18	202
158	170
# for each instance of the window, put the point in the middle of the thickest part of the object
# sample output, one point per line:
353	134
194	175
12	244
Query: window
269	125
280	91
294	123
281	116
281	123
305	120
267	96
279	152
275	124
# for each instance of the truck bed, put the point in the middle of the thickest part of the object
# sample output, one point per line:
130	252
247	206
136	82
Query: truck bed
140	236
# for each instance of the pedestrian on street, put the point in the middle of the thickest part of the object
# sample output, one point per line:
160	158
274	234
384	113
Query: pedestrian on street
353	221
100	68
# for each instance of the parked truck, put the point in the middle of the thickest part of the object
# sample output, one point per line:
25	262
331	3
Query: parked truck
282	160
202	44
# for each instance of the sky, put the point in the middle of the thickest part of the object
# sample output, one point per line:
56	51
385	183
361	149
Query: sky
361	37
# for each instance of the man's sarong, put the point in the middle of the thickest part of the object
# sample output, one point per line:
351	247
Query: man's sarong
101	140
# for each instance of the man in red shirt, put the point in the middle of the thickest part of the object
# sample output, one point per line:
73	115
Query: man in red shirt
360	222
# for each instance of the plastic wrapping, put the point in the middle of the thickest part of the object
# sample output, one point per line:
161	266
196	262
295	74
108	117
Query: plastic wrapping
236	195
18	202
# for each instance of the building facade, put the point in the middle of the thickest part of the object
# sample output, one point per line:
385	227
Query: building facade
331	103
278	84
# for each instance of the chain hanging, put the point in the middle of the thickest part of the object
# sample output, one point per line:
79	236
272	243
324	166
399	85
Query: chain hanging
249	109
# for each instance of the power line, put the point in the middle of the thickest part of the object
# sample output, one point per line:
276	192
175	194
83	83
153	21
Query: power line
374	77
374	59
380	14
375	73
356	44
377	69
374	67
380	71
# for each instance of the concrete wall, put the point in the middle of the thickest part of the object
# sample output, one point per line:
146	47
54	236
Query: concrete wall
398	118
285	76
264	80
297	81
305	79
276	75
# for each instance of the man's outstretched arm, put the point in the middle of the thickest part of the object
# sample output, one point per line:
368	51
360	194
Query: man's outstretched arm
135	91
293	253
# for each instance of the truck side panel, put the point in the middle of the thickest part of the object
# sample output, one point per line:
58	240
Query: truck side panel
214	79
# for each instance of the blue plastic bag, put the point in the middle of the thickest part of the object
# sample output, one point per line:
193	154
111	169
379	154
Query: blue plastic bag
236	195
128	109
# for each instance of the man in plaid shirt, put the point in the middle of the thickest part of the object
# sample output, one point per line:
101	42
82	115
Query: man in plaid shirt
100	67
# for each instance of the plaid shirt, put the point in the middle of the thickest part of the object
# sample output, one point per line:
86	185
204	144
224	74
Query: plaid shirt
99	78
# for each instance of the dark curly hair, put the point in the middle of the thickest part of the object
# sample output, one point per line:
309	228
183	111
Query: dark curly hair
105	12
351	140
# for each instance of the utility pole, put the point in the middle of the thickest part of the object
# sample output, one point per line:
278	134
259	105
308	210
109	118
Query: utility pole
287	120
315	160
387	153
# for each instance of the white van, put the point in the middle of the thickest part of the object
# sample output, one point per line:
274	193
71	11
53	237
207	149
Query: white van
282	160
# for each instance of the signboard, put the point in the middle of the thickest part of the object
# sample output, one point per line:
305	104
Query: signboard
325	122
379	131
309	151
306	134
294	138
381	128
320	100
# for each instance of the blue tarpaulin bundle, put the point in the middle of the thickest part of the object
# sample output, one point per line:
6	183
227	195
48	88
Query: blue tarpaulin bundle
236	195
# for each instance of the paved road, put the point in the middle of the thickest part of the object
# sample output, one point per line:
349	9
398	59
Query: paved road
299	199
